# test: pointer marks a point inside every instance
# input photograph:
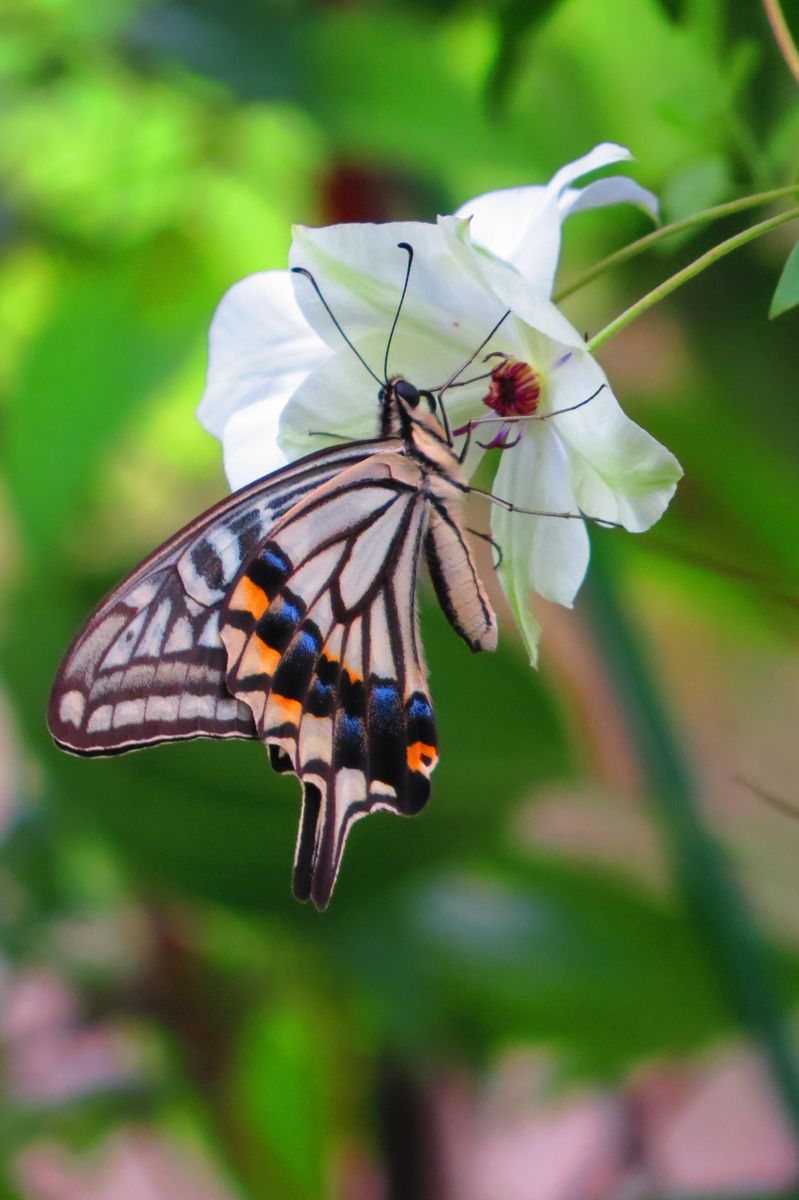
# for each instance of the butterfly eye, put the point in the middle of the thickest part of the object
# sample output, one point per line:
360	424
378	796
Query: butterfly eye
406	392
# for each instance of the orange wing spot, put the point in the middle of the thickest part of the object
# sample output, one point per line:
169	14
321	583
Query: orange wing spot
353	678
422	757
258	657
287	710
269	657
249	597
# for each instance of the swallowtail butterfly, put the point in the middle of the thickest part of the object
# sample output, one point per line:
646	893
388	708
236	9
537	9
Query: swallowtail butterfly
287	613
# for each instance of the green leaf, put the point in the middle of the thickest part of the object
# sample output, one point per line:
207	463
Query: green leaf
787	294
99	158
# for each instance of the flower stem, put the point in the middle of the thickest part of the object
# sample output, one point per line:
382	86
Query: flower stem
700	218
698	265
782	36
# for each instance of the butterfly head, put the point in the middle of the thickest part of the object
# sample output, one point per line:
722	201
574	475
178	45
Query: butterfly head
404	409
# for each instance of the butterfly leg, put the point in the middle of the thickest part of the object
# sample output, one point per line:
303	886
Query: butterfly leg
486	537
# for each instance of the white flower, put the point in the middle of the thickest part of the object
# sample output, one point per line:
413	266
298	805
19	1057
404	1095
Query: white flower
279	369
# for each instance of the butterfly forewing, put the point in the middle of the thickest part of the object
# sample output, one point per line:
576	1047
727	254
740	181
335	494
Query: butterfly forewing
149	665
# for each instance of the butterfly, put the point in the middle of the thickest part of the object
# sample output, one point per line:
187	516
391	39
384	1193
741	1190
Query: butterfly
287	613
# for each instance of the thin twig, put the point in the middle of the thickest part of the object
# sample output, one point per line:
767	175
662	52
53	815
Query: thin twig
782	36
730	208
698	265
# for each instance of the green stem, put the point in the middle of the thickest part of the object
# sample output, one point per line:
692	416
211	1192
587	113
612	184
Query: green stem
698	265
701	869
782	36
650	239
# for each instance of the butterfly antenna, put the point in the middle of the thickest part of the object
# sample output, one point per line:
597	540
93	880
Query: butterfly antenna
329	311
409	250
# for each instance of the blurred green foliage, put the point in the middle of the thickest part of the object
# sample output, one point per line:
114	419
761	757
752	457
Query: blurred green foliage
150	155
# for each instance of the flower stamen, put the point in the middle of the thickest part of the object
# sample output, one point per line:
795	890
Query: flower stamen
515	389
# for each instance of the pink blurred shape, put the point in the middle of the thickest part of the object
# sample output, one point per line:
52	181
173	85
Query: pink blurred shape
528	1140
709	1129
134	1164
49	1057
716	1129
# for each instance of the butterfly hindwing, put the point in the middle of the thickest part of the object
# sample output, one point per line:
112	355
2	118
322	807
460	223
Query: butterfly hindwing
322	645
149	665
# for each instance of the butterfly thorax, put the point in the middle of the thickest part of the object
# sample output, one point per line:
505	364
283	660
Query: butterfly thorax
410	415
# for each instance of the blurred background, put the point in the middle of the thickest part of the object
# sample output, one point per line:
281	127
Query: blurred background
576	975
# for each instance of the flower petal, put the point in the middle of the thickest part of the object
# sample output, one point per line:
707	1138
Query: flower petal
518	222
249	443
360	271
340	398
509	288
601	156
337	398
546	553
260	347
618	471
522	225
615	189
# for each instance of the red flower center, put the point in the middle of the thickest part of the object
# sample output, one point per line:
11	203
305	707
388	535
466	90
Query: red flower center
515	389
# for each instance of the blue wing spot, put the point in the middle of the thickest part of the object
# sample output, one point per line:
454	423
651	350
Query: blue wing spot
294	673
384	697
307	643
289	612
277	561
419	709
279	621
350	750
270	570
350	728
421	725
